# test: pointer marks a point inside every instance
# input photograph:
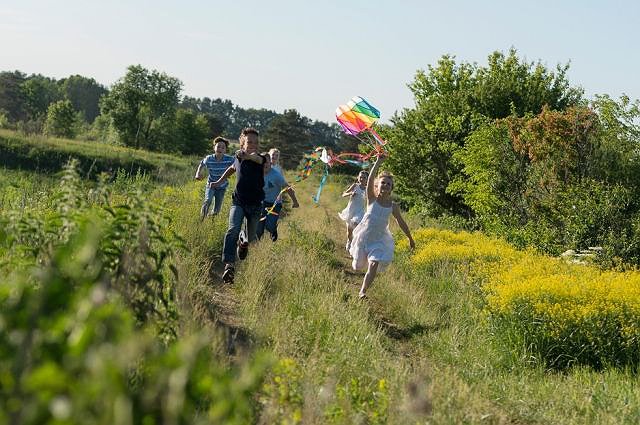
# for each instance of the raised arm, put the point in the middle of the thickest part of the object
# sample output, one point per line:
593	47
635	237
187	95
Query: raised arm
403	224
371	192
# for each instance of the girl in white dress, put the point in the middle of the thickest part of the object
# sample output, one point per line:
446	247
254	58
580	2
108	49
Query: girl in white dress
372	245
354	211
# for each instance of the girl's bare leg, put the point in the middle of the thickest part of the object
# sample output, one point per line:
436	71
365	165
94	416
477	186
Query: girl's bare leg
372	270
349	236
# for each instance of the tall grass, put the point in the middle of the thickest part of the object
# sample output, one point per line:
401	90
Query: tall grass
420	350
48	155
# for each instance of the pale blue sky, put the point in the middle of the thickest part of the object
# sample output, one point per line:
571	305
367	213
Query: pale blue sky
312	56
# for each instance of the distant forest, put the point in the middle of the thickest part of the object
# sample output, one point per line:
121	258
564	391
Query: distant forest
145	109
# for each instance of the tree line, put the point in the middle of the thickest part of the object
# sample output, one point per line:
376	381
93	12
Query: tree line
145	109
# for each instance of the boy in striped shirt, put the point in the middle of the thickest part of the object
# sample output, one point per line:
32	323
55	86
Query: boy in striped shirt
216	165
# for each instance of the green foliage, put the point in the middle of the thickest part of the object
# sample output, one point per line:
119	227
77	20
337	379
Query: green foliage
4	120
453	100
49	155
191	133
61	120
84	94
70	353
557	180
12	98
142	107
134	250
289	132
40	92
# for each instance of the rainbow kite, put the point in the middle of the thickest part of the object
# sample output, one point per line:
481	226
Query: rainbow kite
357	118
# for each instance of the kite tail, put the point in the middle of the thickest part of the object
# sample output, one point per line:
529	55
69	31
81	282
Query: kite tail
316	198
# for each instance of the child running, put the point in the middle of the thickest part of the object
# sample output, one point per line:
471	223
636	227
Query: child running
246	201
216	165
372	245
274	184
274	154
354	211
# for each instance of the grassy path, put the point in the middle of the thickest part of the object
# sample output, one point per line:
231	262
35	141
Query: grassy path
415	352
342	359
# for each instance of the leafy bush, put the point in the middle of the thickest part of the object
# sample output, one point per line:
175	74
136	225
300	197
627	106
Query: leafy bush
70	352
556	180
134	250
61	120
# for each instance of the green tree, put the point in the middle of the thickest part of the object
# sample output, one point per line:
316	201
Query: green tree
289	132
452	100
62	120
84	94
12	99
191	132
40	92
142	107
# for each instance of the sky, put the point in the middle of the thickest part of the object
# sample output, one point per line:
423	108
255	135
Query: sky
314	55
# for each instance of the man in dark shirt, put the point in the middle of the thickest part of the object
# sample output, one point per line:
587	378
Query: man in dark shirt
246	201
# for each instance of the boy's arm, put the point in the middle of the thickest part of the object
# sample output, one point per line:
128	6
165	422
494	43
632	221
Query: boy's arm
292	195
403	224
197	176
228	172
252	157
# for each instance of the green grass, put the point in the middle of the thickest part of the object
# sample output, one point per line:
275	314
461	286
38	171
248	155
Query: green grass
422	335
48	155
418	351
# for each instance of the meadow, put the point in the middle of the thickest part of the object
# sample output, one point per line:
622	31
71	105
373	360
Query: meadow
113	312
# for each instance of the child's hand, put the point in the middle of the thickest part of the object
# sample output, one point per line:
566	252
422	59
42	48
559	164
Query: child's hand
197	177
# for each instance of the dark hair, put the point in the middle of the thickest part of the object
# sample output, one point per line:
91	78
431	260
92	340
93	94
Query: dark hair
249	130
221	139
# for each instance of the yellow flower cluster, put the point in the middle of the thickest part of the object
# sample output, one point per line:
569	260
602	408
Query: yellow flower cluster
543	298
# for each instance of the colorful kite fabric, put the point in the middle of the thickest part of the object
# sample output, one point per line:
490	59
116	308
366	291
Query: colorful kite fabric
357	118
357	115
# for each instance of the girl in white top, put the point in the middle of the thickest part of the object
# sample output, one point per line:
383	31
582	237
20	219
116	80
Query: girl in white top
372	245
354	211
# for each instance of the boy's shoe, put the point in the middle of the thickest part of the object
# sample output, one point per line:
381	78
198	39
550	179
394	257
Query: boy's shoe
227	275
243	250
274	235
